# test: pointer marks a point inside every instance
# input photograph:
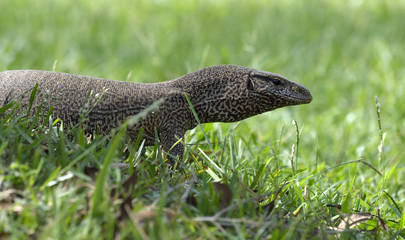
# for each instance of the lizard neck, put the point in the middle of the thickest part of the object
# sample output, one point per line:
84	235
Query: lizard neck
215	95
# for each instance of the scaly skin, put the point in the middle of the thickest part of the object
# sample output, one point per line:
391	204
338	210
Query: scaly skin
224	93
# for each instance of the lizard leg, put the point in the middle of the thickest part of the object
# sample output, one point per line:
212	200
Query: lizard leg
171	145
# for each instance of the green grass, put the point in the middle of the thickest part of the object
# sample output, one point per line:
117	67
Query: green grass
56	184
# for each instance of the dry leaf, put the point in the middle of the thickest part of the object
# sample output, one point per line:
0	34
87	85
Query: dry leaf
91	171
125	193
225	194
150	213
127	185
353	221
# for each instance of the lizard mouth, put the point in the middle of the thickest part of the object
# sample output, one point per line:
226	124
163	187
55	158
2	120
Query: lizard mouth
299	95
306	98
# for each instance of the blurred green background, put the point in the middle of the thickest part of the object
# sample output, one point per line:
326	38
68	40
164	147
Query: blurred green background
345	52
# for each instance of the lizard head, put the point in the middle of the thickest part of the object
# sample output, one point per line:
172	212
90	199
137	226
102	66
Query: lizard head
270	91
229	93
251	92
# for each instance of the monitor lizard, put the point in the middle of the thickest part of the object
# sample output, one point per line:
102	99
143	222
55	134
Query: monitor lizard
224	93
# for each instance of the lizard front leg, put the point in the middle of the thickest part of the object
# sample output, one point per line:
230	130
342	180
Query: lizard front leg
171	145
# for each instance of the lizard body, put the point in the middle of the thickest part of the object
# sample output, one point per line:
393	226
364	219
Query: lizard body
225	93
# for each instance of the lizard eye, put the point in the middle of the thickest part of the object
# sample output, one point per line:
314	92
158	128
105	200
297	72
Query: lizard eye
276	82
